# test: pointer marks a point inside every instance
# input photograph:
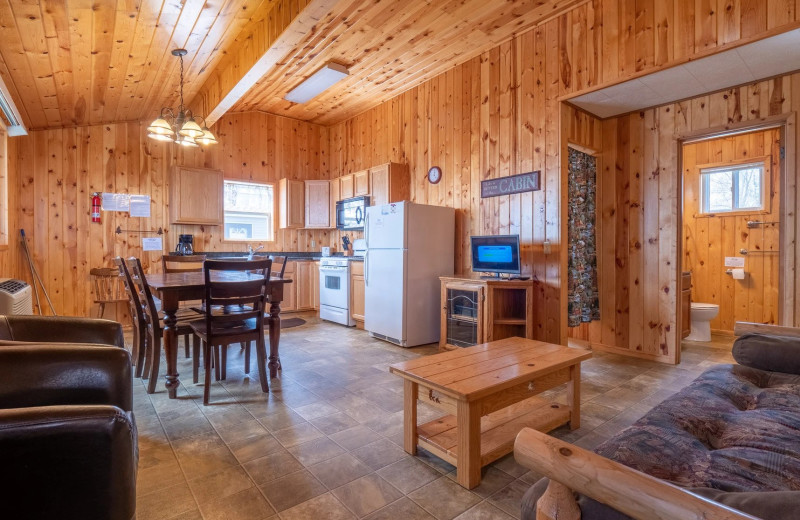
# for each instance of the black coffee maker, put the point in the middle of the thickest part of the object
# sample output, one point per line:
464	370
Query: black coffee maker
185	245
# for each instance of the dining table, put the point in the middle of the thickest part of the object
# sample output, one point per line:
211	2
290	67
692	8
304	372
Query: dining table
174	288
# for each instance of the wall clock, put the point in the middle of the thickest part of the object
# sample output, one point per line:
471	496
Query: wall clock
434	174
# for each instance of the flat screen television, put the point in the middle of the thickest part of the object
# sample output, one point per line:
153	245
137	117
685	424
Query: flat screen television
495	253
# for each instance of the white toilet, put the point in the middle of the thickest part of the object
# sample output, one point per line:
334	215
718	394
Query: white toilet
702	314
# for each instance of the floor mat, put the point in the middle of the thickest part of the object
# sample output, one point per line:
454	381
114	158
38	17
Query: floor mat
288	323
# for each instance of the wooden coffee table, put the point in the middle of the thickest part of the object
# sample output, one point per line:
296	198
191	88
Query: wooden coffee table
488	391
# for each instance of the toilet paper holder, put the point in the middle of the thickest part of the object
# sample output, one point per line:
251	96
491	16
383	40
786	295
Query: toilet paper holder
730	273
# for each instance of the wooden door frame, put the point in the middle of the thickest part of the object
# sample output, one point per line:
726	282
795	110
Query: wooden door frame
787	284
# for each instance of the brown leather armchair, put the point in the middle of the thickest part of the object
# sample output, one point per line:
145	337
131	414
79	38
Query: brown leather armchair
60	329
68	441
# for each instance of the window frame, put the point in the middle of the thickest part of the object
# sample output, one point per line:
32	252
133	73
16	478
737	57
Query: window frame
764	162
274	187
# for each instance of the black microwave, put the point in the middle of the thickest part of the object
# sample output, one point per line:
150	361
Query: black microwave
350	213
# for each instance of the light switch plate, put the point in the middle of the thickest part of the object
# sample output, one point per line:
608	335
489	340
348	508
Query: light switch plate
546	249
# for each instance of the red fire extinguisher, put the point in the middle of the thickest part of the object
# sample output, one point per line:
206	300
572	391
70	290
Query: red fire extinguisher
95	207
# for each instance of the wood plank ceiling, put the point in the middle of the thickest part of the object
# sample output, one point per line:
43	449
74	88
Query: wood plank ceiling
77	62
389	47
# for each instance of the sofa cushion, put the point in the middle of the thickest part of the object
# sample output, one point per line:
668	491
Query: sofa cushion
733	429
774	353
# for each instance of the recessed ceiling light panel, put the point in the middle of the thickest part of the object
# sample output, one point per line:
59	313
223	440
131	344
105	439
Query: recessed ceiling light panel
317	83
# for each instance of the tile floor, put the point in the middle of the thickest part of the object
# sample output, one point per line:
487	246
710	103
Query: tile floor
326	442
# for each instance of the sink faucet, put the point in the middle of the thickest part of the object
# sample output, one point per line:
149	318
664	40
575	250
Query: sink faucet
251	251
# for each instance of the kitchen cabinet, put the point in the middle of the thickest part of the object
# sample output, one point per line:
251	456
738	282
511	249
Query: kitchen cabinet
361	183
317	204
291	204
315	285
304	286
303	292
357	290
289	290
388	183
479	311
346	189
334	187
195	196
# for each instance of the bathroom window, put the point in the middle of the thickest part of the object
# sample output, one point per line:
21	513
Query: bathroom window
249	211
733	188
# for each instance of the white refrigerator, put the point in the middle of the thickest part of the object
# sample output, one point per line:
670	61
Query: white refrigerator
409	246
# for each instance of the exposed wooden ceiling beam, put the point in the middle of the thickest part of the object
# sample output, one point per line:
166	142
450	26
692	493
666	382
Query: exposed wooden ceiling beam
277	34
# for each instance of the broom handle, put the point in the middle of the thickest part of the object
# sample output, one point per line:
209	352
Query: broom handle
36	274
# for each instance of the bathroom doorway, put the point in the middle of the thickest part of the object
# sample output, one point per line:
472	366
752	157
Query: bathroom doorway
731	228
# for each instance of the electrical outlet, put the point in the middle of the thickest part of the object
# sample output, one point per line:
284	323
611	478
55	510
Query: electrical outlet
313	243
546	249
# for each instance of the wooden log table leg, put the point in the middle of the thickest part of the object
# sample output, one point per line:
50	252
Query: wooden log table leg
468	463
274	321
410	391
574	396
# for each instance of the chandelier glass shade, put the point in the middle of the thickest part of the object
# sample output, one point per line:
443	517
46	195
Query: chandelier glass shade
179	125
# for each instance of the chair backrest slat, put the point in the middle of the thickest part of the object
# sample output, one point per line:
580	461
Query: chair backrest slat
137	313
238	299
278	265
145	294
183	263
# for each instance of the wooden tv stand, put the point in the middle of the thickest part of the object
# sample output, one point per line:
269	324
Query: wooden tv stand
476	310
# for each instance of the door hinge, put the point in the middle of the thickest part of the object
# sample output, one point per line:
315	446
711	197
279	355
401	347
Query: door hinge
783	152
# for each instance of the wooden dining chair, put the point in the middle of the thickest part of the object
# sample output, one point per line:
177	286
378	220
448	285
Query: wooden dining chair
182	263
234	312
155	325
278	265
107	287
137	317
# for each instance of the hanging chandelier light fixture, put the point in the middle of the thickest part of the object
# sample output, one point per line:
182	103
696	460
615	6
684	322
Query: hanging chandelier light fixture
180	125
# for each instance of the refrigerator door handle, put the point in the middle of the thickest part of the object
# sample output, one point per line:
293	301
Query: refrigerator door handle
366	268
366	230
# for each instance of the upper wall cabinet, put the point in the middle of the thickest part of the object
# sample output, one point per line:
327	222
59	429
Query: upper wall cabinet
346	187
291	204
195	196
361	183
388	183
318	204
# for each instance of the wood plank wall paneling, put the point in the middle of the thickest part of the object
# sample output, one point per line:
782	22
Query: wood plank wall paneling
495	114
755	298
656	133
56	172
605	44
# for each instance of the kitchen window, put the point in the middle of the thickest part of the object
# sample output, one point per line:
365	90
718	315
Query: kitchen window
732	188
249	211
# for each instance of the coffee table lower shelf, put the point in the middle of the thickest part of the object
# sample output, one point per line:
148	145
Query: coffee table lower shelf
498	429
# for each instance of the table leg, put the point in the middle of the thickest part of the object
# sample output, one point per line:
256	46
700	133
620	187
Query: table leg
468	463
574	397
410	390
171	351
274	321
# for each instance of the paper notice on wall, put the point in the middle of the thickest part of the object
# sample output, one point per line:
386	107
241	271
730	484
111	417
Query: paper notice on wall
115	202
734	261
152	244
139	205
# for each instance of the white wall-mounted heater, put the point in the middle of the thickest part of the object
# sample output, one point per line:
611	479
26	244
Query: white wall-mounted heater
15	297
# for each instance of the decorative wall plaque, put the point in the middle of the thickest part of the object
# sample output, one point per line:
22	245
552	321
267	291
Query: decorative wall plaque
510	185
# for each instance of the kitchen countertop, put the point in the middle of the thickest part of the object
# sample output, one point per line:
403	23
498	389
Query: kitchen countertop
290	255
